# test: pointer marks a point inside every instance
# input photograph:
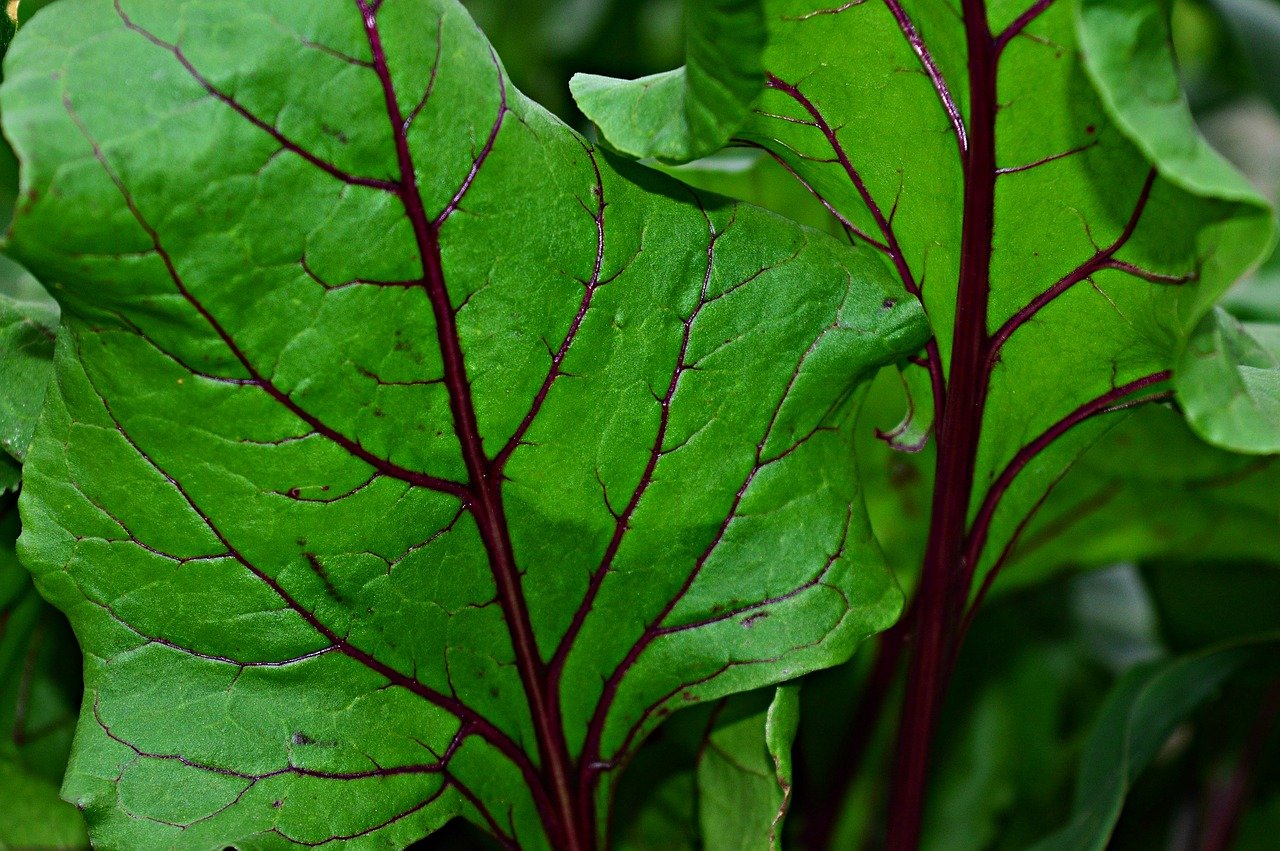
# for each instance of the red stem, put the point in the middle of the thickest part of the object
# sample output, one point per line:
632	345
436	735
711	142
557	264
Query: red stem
958	436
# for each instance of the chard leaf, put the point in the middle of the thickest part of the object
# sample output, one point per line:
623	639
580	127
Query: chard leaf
1036	181
681	115
716	777
407	457
911	434
1140	713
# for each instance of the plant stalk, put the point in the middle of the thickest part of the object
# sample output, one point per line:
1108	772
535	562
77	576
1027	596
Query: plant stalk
942	593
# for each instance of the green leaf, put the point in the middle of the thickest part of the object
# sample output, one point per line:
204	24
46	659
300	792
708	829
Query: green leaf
1228	382
1114	227
681	115
912	433
1128	55
1140	713
413	448
7	30
1024	692
744	771
28	325
33	815
1254	299
750	175
717	776
1144	97
1151	490
38	666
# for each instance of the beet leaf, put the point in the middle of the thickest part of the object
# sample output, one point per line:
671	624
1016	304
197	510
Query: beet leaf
408	457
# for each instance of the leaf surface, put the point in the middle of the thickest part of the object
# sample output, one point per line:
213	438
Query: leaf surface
1229	383
408	457
28	325
1152	490
1113	226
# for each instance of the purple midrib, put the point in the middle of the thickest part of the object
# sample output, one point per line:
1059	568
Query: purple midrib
484	484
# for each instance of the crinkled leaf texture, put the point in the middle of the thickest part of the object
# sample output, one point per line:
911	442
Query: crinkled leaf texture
408	458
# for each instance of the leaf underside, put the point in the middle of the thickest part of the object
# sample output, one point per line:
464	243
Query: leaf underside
407	457
1114	224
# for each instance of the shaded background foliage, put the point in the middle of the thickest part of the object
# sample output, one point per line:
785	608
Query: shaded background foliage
1177	555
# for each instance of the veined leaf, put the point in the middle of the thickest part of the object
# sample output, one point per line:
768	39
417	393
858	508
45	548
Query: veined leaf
408	457
681	115
1151	490
717	777
1035	180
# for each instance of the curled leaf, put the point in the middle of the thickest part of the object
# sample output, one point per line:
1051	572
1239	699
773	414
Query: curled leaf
691	112
1228	383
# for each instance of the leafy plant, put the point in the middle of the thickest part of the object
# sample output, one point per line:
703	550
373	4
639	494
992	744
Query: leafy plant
409	455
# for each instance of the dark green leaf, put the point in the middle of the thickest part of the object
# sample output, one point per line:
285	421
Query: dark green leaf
1139	715
1202	603
27	8
1150	490
38	667
407	454
28	324
1023	694
681	115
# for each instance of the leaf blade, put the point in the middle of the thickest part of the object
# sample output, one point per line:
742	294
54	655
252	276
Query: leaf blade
560	439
